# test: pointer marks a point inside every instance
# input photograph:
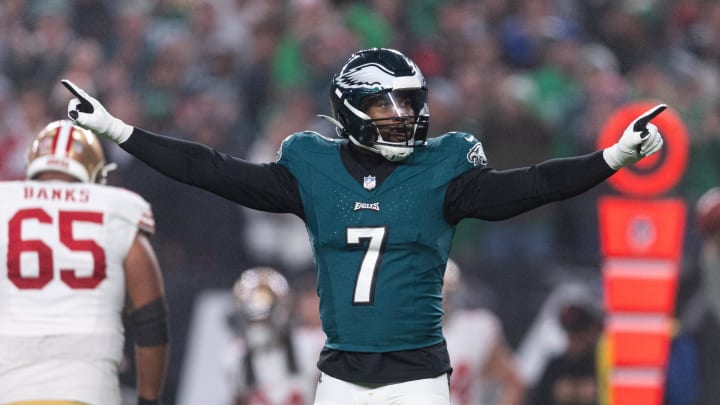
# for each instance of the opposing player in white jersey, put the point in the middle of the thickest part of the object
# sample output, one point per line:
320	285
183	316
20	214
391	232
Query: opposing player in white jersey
71	251
484	372
273	361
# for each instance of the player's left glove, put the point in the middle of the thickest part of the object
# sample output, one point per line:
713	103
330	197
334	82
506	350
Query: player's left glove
640	139
88	113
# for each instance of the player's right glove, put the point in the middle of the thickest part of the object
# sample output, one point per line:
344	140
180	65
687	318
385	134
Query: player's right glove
88	113
640	139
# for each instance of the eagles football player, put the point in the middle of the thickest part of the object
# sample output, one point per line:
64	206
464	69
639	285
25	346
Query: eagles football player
381	203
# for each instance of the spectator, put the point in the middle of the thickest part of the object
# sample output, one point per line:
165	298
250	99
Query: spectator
571	377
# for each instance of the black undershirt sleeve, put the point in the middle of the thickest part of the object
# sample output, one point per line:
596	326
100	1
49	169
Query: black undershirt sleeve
496	195
265	187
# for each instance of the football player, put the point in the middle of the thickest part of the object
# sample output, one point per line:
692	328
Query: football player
484	371
72	250
381	203
706	328
273	360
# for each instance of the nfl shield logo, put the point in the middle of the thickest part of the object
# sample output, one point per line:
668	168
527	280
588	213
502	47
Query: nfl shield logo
369	182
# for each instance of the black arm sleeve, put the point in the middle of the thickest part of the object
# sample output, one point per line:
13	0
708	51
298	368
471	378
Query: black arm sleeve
265	187
495	195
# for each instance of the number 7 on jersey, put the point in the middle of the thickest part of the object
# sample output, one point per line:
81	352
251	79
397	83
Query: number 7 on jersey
375	238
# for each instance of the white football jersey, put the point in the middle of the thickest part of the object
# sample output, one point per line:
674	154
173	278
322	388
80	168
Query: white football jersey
470	334
275	385
62	287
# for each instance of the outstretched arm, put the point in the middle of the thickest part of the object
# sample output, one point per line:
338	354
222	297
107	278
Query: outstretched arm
265	187
495	195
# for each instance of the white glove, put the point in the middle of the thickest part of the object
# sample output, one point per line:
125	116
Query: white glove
640	139
88	113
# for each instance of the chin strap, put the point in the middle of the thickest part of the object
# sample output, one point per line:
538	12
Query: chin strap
384	151
361	146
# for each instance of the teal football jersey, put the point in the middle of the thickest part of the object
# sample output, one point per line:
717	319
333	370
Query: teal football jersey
380	249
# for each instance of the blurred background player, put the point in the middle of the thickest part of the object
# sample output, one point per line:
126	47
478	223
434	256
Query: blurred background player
279	338
484	371
705	320
571	377
74	249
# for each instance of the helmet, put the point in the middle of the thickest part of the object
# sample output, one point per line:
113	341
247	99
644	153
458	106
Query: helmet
380	74
67	148
262	294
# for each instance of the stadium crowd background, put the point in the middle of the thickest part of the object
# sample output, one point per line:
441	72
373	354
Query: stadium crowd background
533	79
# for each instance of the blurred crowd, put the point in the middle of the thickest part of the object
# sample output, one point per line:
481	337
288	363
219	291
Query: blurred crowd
532	79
